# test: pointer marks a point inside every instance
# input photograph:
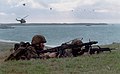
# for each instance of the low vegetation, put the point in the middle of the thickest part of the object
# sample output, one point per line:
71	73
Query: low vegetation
103	63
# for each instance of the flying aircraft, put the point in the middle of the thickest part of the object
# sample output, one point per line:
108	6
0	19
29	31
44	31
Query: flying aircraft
24	4
50	8
22	20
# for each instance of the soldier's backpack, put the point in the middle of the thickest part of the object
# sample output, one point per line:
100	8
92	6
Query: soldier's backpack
20	50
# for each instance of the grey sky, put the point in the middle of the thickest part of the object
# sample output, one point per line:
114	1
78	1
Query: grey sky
62	10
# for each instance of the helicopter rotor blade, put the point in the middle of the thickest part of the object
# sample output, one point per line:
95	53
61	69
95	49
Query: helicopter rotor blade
18	17
25	16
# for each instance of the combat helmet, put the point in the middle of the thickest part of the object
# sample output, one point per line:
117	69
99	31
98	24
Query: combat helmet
38	39
77	42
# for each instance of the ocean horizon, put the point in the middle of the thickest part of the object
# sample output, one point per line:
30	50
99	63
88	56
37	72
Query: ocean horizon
55	23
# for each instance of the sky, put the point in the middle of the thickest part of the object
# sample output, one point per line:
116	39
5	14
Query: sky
60	11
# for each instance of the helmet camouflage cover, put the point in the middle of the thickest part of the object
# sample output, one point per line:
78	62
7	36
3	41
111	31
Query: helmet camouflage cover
38	39
77	42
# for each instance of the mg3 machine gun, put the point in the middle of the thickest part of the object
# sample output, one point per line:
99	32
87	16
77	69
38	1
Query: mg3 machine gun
75	45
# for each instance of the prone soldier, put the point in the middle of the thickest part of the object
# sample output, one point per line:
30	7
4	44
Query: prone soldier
76	50
27	51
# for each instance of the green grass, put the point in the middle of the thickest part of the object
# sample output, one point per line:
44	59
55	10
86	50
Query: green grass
103	63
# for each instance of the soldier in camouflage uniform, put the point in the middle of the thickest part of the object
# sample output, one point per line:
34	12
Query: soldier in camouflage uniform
76	50
27	51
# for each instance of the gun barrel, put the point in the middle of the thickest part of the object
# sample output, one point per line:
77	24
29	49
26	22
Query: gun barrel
90	43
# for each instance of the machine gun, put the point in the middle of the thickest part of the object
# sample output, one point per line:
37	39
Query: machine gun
61	49
90	43
67	46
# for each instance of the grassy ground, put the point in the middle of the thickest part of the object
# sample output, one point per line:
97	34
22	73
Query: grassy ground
103	63
5	50
5	46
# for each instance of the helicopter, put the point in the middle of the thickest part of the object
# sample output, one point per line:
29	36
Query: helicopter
22	20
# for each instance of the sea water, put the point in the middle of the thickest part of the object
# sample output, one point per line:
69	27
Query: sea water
58	34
